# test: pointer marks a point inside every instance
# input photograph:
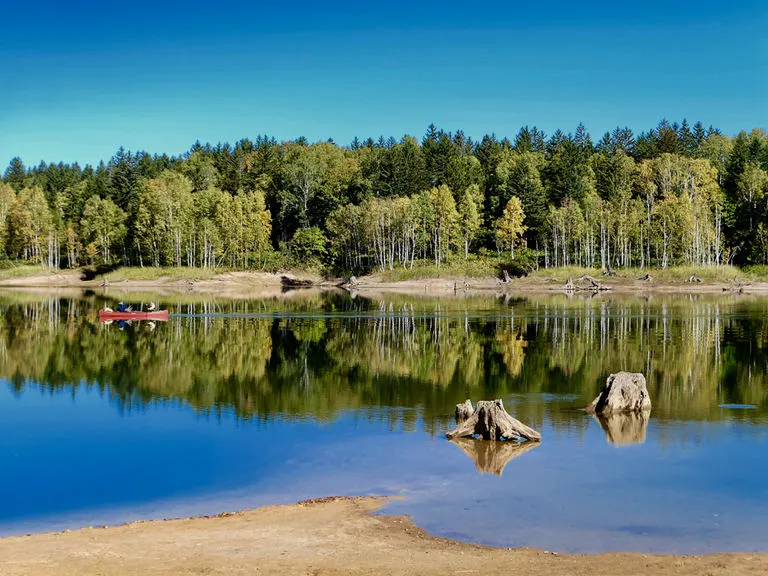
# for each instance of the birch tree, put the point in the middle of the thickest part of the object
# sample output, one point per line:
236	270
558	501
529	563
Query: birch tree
510	227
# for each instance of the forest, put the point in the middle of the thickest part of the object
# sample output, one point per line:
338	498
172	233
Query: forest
678	194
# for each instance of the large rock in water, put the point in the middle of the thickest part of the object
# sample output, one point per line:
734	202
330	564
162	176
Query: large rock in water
623	392
490	421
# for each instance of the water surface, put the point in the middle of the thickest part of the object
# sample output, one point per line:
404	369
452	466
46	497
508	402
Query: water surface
235	404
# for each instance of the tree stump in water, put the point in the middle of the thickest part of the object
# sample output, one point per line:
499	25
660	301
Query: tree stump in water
623	392
464	411
490	421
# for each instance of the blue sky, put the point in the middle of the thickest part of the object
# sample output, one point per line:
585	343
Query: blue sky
80	79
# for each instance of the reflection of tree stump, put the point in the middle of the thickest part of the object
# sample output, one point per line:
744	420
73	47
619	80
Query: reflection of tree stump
624	427
623	392
492	457
491	422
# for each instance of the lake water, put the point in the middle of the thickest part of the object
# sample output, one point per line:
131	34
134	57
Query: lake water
236	404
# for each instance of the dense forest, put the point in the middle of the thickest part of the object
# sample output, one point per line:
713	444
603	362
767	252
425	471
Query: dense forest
676	194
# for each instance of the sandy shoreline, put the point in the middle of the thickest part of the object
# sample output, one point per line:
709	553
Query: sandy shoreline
325	536
261	284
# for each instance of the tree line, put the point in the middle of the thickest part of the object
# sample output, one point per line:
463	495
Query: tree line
676	194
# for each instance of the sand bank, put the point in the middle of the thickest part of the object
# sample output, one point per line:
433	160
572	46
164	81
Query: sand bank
328	536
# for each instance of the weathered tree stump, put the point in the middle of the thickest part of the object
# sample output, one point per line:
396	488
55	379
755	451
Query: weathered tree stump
490	421
694	279
569	287
492	457
647	278
623	392
464	411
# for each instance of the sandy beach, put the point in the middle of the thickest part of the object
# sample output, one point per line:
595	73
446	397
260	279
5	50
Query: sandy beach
323	537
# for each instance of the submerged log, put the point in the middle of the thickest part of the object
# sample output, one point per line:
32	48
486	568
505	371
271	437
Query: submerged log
490	421
623	392
624	427
492	457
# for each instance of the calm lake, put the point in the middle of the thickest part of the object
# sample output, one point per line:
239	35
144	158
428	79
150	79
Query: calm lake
236	404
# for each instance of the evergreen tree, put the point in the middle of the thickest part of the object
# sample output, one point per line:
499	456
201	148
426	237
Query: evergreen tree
15	174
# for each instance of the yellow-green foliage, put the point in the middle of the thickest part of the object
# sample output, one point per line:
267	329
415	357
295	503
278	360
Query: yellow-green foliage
22	271
165	273
472	267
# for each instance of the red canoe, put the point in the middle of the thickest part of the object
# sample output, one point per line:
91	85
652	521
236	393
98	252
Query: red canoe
158	315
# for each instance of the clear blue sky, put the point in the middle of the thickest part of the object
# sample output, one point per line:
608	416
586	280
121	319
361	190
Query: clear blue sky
80	79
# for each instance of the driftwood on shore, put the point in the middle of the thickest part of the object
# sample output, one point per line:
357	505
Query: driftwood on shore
349	283
591	285
490	421
288	282
623	392
491	457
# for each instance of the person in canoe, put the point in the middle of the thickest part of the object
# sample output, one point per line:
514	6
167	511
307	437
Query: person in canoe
121	307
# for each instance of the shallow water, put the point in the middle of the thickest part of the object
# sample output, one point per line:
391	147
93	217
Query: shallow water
237	404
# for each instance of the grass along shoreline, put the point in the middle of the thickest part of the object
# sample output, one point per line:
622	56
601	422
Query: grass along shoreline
475	273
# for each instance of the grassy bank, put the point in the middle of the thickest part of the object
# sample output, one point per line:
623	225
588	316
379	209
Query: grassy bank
148	273
22	271
675	274
492	267
481	269
474	267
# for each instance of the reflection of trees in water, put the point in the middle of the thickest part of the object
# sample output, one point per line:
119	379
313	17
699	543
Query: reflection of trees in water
403	358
